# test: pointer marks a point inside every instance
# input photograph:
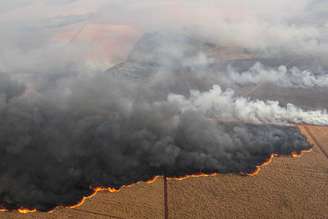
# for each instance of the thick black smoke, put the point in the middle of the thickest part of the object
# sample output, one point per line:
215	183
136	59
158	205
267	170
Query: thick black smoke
51	157
59	142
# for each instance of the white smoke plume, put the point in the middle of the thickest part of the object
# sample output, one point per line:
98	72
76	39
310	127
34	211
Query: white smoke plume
280	76
224	106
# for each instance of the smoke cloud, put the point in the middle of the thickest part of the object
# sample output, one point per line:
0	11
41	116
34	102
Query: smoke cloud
61	138
109	134
79	112
280	76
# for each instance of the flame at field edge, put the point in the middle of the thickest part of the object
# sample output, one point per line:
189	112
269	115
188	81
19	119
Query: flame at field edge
95	190
255	172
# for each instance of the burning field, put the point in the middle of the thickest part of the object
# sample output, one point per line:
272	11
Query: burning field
141	119
182	103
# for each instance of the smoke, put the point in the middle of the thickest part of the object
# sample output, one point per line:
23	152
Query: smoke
61	140
279	76
9	88
222	105
175	106
271	28
109	133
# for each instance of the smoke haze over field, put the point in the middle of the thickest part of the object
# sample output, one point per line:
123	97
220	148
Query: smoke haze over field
108	93
34	28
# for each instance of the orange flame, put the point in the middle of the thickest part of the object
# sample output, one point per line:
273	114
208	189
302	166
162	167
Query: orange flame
152	180
109	189
195	175
26	211
258	167
94	192
113	190
255	172
299	154
294	154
